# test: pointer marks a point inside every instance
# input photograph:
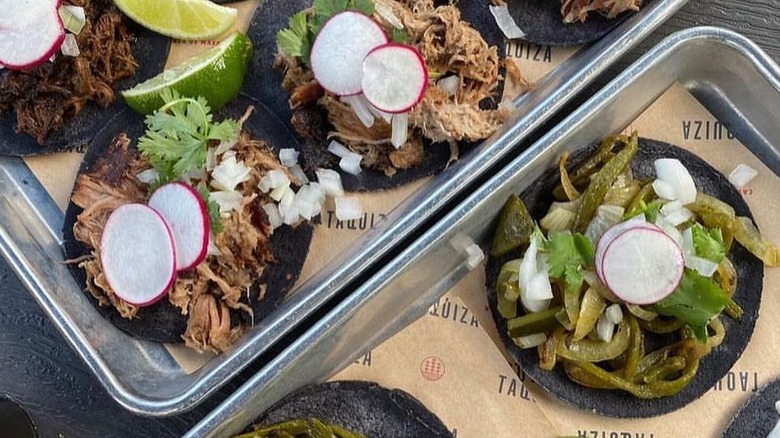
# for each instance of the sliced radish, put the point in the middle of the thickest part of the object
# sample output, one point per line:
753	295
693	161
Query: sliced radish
394	77
338	51
31	32
610	234
188	218
642	265
138	254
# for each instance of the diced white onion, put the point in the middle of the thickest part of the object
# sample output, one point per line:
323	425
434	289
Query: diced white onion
276	178
539	287
211	158
449	84
742	175
674	173
298	173
664	190
73	18
400	129
338	149
287	208
530	341
533	280
348	208
670	207
226	145
360	106
69	46
669	229
614	314
330	181
687	242
679	216
604	328
388	15
227	201
274	217
308	201
279	193
147	176
351	163
229	173
212	249
606	217
197	174
701	265
288	157
506	23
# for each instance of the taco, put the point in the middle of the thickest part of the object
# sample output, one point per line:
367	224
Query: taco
759	416
614	335
252	262
569	22
350	409
61	105
438	127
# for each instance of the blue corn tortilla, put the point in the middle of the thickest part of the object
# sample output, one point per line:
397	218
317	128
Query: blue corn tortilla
362	407
616	403
162	321
150	51
264	83
758	416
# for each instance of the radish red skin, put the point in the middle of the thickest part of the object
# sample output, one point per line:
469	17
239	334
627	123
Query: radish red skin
611	234
423	86
348	62
676	265
107	245
38	58
199	210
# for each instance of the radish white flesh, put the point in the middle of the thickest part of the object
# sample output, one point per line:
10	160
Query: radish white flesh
188	218
338	51
608	236
31	31
642	265
138	254
394	77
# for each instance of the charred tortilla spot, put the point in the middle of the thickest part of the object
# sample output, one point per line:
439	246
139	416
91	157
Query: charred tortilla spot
164	322
714	366
309	121
543	24
150	51
361	407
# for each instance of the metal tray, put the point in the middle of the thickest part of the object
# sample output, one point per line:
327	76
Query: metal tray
742	89
144	377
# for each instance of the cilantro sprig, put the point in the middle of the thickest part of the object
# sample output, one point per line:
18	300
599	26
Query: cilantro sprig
297	39
567	255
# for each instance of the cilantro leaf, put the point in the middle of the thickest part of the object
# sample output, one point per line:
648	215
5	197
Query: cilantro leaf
294	41
399	36
708	243
696	301
649	210
365	6
215	220
567	254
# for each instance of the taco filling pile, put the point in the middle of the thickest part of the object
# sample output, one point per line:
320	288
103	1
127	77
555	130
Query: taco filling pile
577	10
422	51
54	92
217	285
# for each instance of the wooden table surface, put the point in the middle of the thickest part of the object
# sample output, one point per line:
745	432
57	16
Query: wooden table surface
39	370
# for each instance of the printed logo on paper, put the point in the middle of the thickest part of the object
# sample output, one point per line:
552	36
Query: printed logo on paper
432	368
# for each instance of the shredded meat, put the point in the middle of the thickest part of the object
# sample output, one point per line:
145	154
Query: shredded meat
220	284
577	10
449	46
50	95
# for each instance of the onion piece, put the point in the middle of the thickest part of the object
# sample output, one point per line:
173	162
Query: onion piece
148	175
288	157
506	23
606	217
348	208
69	46
273	180
338	149
664	190
227	201
279	193
701	265
400	129
360	106
351	163
449	85
230	173
299	175
742	175
274	217
604	328
388	15
614	314
530	341
330	181
678	216
674	173
73	18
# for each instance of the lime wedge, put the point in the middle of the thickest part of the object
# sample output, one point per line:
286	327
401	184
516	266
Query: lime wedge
216	74
182	19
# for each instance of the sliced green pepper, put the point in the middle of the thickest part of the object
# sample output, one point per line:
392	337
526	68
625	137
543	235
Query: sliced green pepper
586	350
515	226
531	323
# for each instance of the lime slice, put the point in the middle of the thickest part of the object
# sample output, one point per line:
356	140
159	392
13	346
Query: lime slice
216	74
182	19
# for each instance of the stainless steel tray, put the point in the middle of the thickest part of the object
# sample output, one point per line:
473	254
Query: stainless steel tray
143	376
727	73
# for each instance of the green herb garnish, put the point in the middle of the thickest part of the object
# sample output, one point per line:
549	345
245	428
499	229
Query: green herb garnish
567	254
215	220
695	301
708	243
177	135
399	36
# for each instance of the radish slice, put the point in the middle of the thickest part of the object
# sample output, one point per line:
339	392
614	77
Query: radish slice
642	265
188	218
394	77
610	234
31	32
138	254
338	51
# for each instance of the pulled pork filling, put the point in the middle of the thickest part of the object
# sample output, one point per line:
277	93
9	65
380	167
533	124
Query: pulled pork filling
223	282
449	46
577	10
46	97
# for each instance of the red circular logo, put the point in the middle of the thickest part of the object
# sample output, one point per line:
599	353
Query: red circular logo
432	368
